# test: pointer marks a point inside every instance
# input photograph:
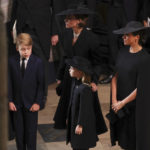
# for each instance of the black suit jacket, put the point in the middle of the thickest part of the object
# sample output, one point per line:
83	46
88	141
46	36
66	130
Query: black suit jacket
28	90
39	15
145	10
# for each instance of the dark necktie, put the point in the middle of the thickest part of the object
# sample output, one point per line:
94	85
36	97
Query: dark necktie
23	67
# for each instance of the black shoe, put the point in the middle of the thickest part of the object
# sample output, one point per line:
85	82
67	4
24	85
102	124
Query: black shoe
106	80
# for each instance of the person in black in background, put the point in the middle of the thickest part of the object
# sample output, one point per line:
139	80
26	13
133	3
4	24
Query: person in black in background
114	21
77	41
38	19
81	119
145	18
124	85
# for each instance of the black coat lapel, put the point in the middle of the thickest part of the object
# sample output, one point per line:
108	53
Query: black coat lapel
68	43
17	61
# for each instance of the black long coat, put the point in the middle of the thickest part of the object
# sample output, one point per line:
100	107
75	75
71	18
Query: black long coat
40	17
81	112
87	46
142	106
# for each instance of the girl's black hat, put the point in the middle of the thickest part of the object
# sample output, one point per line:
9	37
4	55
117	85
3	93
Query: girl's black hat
131	27
81	64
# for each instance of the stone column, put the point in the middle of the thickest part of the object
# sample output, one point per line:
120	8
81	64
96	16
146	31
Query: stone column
3	85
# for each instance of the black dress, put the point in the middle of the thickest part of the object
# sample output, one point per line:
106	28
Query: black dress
81	112
87	46
127	67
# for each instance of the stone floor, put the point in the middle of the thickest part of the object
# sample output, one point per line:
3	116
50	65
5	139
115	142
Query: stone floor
56	139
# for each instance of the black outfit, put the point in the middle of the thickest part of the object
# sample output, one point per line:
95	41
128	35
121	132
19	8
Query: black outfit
131	9
127	66
81	112
145	13
114	22
87	46
142	106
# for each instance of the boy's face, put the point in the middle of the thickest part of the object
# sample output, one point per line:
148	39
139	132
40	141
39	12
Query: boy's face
25	50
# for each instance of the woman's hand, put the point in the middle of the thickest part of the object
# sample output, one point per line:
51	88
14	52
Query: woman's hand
58	81
78	130
145	23
54	40
35	107
117	106
94	87
12	106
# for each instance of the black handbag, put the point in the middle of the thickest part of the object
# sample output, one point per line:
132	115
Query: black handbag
113	117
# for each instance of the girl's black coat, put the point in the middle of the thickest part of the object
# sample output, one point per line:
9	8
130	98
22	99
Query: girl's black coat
81	112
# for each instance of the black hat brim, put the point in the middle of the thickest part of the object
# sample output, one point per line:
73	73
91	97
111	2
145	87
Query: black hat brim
127	30
70	62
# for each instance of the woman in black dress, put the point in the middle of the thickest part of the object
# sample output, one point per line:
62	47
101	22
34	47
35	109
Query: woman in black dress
78	41
124	85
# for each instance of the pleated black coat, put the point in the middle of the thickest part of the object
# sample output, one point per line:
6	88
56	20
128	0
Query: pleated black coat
81	112
127	129
142	106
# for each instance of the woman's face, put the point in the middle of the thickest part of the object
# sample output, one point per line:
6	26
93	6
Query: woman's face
75	73
71	21
130	39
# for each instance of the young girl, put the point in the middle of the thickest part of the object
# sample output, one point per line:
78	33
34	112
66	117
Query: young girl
81	126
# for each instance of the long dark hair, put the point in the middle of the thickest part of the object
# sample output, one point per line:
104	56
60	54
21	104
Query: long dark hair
84	19
143	36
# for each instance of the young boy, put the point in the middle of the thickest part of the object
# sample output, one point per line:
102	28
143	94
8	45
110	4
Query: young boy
26	86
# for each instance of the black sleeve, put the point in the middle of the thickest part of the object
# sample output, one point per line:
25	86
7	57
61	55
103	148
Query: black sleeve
144	11
142	105
10	92
61	69
13	13
57	7
97	57
86	98
40	83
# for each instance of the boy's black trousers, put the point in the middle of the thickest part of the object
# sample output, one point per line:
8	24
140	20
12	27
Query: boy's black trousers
26	129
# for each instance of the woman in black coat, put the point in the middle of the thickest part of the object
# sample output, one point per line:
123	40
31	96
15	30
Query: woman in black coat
81	128
125	87
78	41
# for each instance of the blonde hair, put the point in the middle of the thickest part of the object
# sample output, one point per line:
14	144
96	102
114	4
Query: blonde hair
24	38
86	78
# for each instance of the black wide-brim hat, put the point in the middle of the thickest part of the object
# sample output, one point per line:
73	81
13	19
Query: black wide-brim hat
81	64
131	27
76	9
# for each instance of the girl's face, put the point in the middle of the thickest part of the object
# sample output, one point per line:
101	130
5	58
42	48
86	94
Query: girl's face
130	39
75	73
71	21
